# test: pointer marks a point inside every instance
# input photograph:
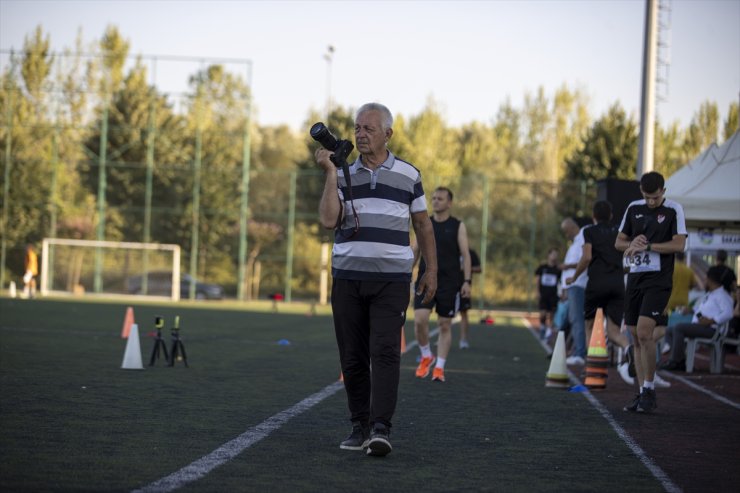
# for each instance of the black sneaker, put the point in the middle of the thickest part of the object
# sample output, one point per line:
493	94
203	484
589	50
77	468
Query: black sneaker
632	406
647	403
631	360
358	439
380	444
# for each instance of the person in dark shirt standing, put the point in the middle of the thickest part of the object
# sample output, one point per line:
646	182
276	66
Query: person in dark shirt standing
653	229
547	277
605	287
451	239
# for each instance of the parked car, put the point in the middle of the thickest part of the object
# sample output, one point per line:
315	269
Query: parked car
160	284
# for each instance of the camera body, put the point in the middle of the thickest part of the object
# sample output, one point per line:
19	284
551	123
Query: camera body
340	148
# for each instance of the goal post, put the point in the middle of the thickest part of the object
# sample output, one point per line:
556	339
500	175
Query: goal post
109	268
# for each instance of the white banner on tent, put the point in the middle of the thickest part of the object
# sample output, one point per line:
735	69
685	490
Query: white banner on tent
708	239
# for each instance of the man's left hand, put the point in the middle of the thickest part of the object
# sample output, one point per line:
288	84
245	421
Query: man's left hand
428	286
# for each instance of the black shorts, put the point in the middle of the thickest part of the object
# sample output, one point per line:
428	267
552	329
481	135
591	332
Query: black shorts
465	304
607	295
646	302
548	302
446	301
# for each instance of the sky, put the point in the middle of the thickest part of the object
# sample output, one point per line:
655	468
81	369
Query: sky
467	57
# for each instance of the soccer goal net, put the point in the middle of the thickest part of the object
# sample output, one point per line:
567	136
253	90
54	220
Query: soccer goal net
109	268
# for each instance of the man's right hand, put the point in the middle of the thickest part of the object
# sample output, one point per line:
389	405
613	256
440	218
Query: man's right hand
323	159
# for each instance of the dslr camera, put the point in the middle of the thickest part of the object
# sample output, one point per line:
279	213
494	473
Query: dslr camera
340	148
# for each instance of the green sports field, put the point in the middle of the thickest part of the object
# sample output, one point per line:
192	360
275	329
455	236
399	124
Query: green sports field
73	420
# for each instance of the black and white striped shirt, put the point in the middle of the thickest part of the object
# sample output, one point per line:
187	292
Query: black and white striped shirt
384	200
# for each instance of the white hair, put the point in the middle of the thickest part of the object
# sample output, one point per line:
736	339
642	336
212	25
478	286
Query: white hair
387	117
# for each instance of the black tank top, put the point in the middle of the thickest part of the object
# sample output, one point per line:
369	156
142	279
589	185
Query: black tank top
449	266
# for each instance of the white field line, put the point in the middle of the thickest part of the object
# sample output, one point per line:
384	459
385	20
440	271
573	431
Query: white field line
656	471
696	386
706	358
232	448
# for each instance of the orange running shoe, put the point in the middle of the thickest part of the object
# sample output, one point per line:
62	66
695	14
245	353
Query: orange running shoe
438	375
424	365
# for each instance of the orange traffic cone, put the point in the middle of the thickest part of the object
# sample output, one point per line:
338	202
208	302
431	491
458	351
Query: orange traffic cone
597	359
127	322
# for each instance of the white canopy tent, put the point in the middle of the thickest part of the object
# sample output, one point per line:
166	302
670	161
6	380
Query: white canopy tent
708	187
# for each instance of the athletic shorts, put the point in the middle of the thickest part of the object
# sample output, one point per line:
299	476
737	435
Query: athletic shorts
646	302
446	301
548	302
609	296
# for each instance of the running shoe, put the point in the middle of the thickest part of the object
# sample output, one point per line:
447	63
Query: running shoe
464	344
422	371
575	360
358	439
624	372
438	375
648	402
632	406
379	444
659	382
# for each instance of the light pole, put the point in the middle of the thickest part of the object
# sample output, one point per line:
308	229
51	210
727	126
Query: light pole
324	276
328	56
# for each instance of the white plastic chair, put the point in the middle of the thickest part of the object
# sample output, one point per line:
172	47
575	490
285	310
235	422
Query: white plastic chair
715	344
732	342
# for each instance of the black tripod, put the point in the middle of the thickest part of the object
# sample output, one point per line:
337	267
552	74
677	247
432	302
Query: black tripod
178	349
158	342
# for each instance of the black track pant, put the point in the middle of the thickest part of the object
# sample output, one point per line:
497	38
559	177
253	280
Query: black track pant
368	316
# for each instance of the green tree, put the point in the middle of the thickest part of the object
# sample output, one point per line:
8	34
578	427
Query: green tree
703	129
669	153
114	49
731	124
139	121
26	144
434	147
216	125
609	149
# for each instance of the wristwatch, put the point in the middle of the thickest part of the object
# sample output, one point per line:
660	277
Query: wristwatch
469	281
649	246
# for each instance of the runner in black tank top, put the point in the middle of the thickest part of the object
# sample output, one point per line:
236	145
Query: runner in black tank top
605	287
451	239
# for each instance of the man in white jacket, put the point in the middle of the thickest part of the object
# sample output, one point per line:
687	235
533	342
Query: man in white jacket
711	311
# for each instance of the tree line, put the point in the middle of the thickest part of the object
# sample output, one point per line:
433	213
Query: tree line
172	164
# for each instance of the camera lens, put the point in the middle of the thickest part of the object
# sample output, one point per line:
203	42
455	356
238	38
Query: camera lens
321	134
318	130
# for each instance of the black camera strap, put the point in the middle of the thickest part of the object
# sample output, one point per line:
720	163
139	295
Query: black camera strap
348	180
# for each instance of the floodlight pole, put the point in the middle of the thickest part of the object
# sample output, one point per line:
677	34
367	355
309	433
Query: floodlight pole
329	57
647	102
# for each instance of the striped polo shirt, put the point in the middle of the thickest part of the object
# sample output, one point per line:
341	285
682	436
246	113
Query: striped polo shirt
384	200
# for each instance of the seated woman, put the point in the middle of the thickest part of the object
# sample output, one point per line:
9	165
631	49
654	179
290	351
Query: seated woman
709	313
